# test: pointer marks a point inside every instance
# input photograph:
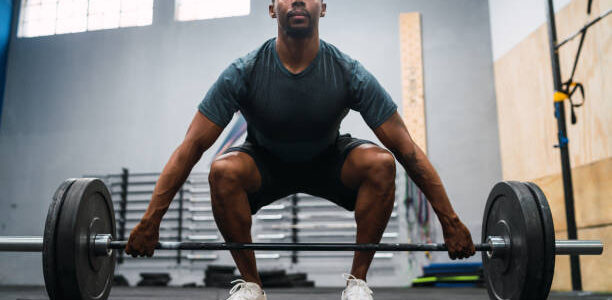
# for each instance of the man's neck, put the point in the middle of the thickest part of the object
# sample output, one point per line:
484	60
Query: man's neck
296	54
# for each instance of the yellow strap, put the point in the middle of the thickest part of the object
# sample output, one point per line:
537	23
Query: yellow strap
560	96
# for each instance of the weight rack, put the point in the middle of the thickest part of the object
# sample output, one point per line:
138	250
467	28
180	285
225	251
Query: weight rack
298	218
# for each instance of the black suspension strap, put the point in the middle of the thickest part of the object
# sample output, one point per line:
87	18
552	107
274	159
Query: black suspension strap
569	87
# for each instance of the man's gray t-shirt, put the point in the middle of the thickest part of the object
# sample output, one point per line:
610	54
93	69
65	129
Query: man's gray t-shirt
296	116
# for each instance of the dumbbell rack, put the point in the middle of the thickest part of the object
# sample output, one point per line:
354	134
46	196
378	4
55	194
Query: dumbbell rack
302	218
299	218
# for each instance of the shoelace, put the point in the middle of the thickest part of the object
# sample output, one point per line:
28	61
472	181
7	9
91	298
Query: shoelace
239	285
361	286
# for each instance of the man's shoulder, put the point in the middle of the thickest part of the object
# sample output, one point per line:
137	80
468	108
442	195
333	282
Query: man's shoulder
246	62
343	59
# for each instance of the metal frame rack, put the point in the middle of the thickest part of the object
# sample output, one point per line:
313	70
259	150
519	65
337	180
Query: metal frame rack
298	218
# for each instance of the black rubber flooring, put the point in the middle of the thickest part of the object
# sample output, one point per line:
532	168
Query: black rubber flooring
149	293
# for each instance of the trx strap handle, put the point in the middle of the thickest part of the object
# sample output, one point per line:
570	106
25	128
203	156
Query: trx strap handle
568	89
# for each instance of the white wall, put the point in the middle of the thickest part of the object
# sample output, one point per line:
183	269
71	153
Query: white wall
513	20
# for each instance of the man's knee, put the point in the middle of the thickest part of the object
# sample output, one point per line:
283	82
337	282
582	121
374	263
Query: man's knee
373	166
227	175
224	171
378	166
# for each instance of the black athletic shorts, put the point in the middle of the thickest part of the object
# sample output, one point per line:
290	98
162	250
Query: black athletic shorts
318	177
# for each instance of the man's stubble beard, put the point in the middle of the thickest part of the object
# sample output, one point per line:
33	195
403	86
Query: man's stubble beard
299	32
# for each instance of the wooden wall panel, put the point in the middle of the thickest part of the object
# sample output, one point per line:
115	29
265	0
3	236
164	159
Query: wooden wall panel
592	195
523	84
413	92
596	270
524	89
591	138
528	131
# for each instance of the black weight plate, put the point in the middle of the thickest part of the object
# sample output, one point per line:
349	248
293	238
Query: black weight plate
272	274
147	275
297	276
277	283
549	238
49	246
220	280
303	283
87	209
512	212
220	269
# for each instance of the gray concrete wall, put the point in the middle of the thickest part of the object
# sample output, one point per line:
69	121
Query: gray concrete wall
94	102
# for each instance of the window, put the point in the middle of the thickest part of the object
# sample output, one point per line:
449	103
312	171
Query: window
187	10
49	17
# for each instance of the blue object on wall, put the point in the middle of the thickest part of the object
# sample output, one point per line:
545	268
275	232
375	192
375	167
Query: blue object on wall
6	13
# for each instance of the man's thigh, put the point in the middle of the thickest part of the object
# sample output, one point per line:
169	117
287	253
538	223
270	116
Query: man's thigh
331	179
273	180
360	162
240	166
329	176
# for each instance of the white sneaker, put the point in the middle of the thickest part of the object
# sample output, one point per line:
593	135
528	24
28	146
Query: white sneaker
243	290
356	289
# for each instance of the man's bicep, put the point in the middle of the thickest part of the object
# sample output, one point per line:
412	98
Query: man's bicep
202	131
394	134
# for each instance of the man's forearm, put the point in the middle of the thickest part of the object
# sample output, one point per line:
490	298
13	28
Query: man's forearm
171	179
424	175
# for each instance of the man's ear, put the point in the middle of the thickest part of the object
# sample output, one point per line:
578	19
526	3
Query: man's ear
323	9
271	11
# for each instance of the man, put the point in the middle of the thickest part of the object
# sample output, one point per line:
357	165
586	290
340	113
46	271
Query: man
294	92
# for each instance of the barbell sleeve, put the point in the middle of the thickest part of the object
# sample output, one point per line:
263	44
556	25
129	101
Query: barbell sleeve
21	243
578	247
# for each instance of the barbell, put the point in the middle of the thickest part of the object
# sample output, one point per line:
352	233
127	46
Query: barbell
78	245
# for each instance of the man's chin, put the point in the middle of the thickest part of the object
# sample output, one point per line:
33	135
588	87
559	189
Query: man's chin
298	32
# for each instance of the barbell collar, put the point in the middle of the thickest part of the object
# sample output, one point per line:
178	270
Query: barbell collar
101	245
499	247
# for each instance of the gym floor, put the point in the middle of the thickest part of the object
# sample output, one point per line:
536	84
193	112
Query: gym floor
149	293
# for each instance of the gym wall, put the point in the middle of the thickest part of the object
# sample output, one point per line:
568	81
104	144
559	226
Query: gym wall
528	130
94	102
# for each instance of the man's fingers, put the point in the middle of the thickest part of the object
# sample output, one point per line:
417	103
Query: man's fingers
469	250
461	252
465	252
131	250
139	250
452	254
